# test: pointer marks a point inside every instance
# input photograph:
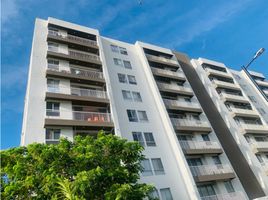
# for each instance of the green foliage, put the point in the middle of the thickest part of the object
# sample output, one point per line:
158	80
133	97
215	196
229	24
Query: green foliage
106	167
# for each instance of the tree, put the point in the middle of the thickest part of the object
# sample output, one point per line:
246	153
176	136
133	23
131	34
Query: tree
106	167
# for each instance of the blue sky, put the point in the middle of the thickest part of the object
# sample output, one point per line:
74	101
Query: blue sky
227	31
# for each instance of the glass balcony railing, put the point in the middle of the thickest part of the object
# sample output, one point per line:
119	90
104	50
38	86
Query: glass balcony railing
227	196
73	38
243	111
174	87
181	103
178	73
199	145
162	59
189	122
204	170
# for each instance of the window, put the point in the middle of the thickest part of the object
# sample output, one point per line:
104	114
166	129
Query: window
123	50
154	194
205	137
259	158
137	136
132	115
122	78
53	46
53	109
142	116
158	166
146	167
114	48
194	161
132	79
149	138
53	85
126	95
229	187
52	134
137	96
166	194
127	64
53	64
206	190
216	160
118	62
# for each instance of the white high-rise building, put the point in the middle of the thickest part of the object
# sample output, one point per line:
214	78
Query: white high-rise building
80	82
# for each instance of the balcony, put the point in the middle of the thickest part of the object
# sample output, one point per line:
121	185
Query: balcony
178	75
200	147
240	112
182	105
204	173
260	147
218	73
223	84
56	36
265	167
74	55
227	196
233	98
265	92
78	118
73	72
162	60
190	125
173	88
254	128
262	83
95	97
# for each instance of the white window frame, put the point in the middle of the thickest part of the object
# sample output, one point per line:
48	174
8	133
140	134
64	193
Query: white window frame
122	76
128	65
132	80
127	95
148	141
138	137
149	171
118	62
114	48
158	166
135	94
123	51
142	115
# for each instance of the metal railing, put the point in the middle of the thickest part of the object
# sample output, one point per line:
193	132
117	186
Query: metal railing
180	102
73	38
199	144
233	96
178	73
218	82
162	59
189	122
227	196
77	91
174	87
243	111
203	170
77	71
83	55
82	116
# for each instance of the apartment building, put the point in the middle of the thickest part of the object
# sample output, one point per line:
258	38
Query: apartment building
80	82
245	123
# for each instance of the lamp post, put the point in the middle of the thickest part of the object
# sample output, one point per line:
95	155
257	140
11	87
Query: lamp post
257	54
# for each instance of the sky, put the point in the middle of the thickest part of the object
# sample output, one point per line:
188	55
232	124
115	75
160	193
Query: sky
225	31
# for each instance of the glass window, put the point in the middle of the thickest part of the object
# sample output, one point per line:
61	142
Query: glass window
229	186
132	79
216	160
194	161
114	48
142	116
53	109
206	190
52	134
259	158
123	50
126	95
53	85
137	96
127	64
122	78
137	136
53	46
132	115
118	62
166	194
149	138
53	64
158	166
205	137
146	167
154	194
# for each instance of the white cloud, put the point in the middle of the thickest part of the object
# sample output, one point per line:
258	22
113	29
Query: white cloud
10	9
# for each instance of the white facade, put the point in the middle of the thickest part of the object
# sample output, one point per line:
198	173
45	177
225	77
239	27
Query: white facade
80	82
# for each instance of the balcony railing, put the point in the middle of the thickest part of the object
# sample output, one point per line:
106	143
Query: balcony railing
199	145
204	170
189	122
220	73
73	38
81	116
227	196
174	87
83	55
174	62
178	73
261	145
77	71
253	126
232	96
262	83
181	103
243	111
226	84
77	91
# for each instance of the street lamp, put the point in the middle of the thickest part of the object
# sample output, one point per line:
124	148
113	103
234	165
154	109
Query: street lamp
257	54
